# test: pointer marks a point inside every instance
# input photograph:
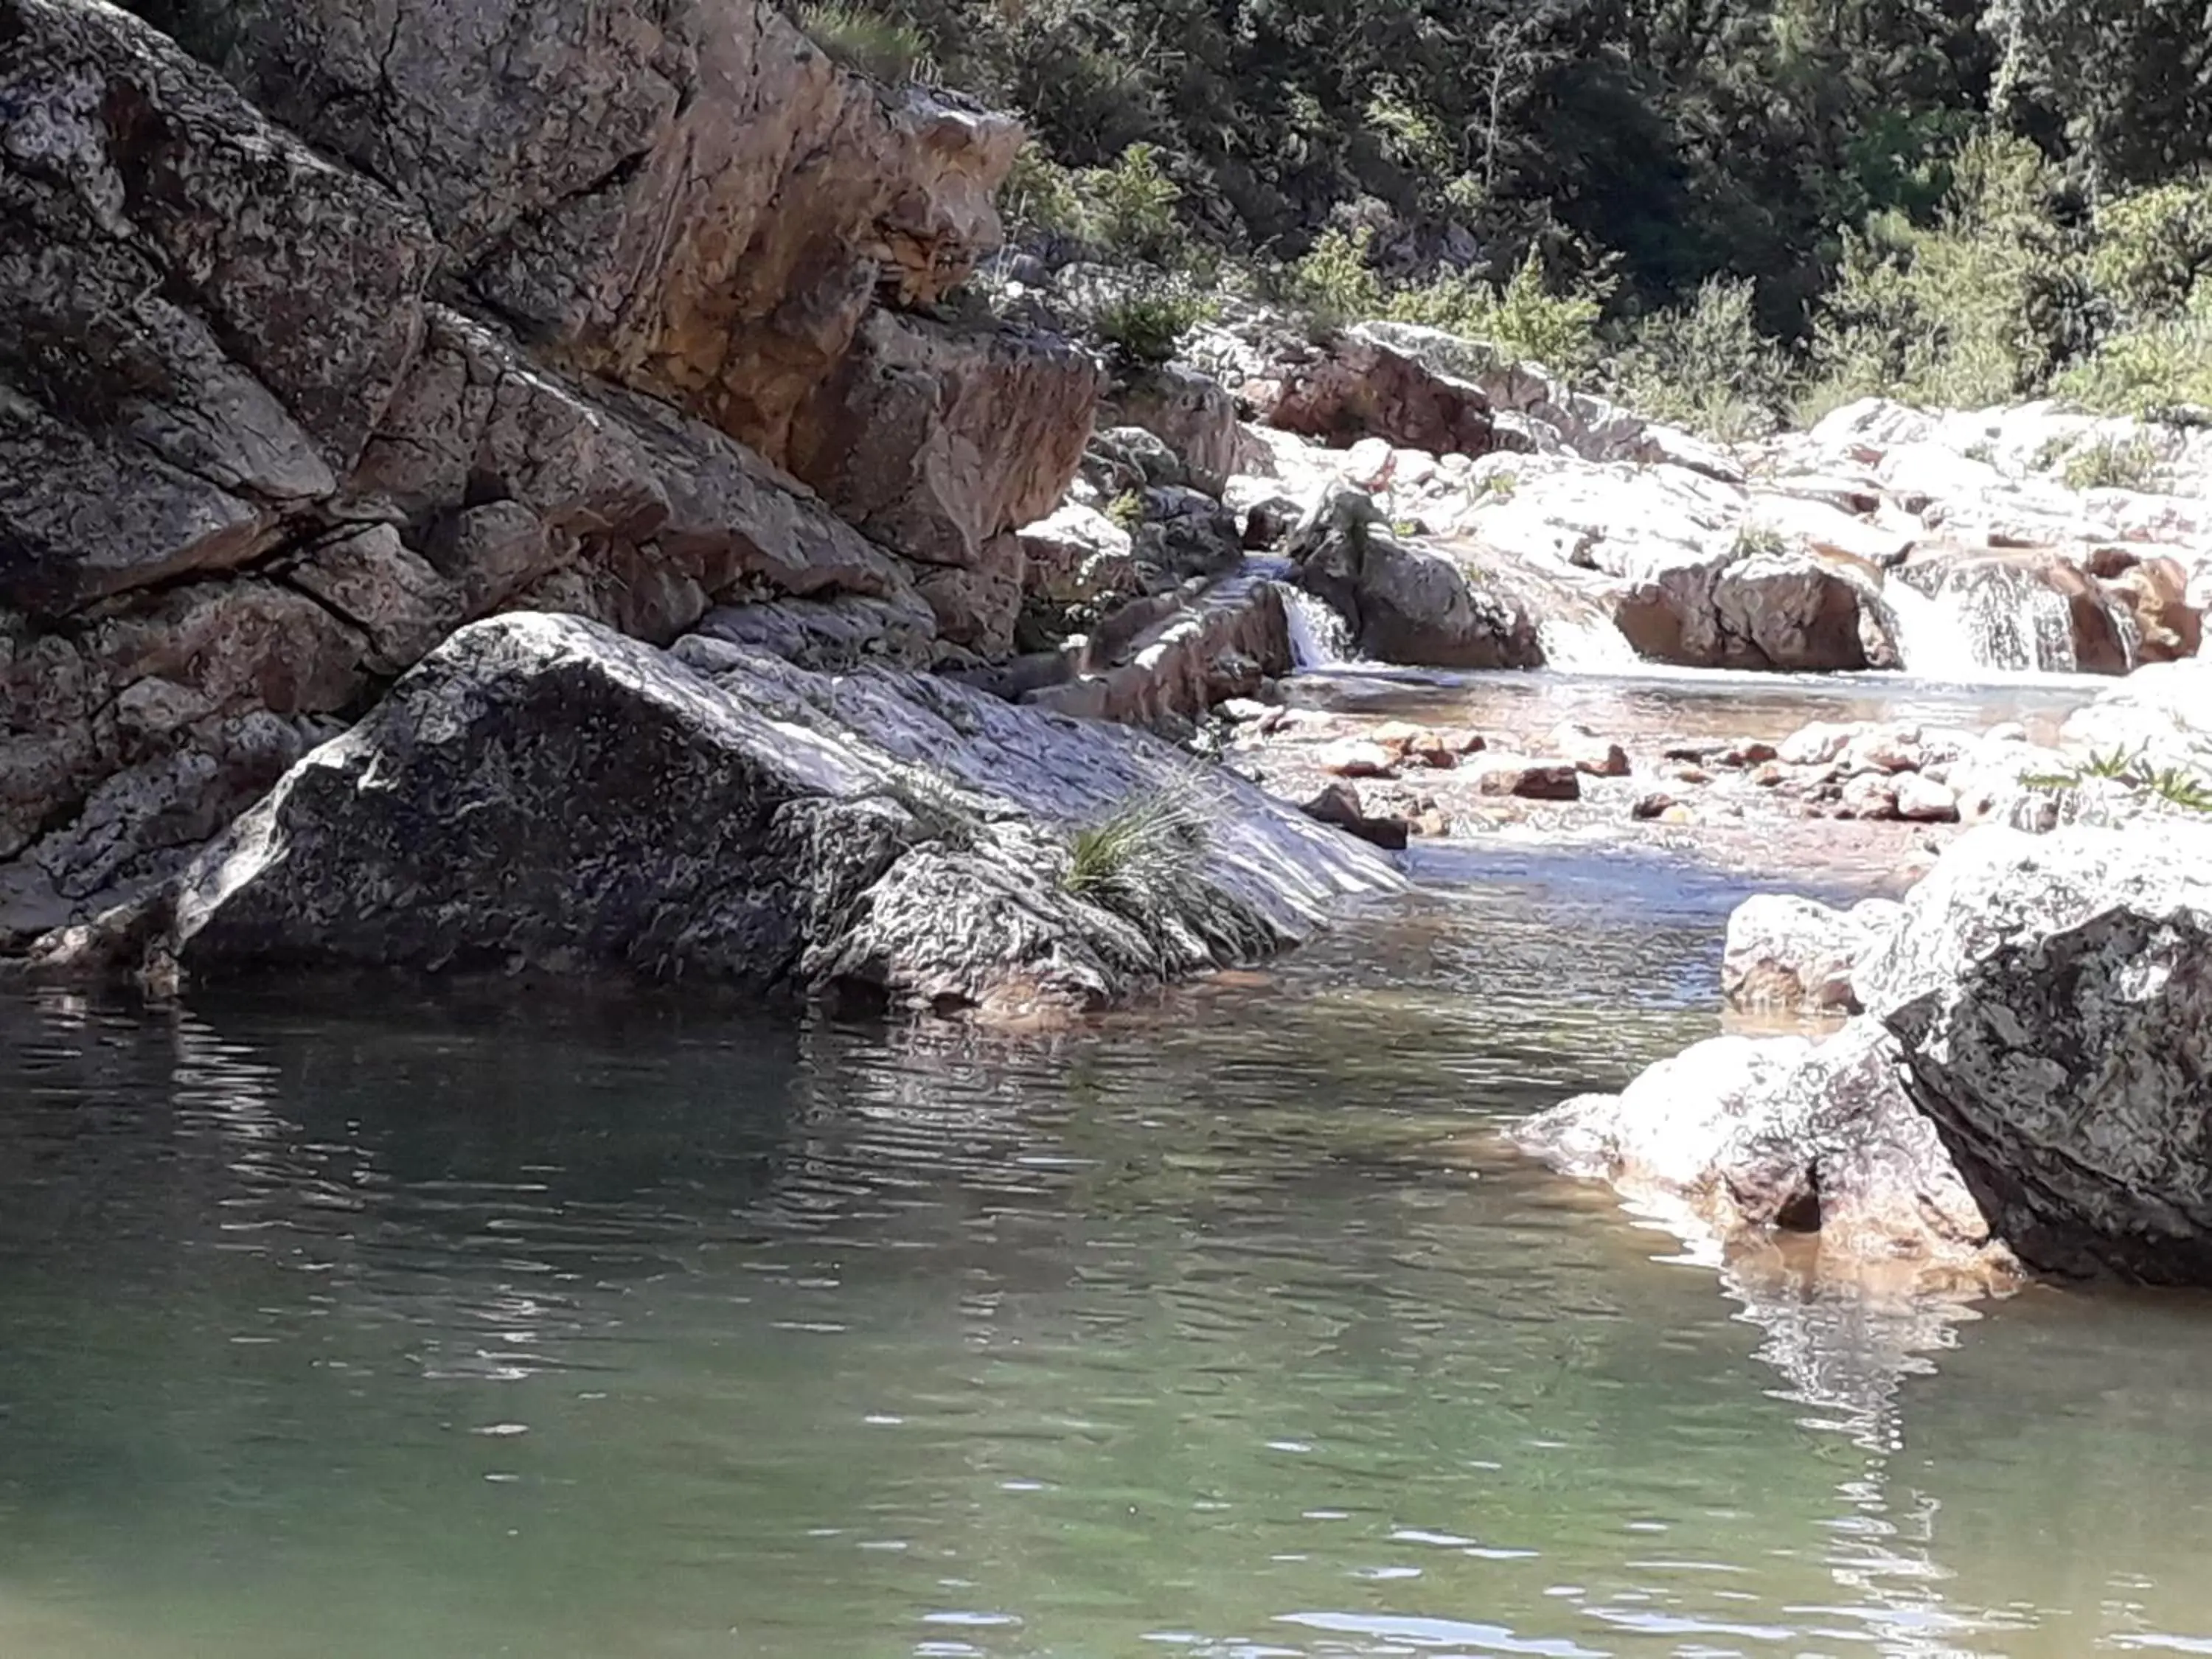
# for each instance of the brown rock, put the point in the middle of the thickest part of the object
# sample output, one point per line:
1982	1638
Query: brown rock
1654	805
1869	795
1339	805
1359	388
1530	780
1588	752
936	441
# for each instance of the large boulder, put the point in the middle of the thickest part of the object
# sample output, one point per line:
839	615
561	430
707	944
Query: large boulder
1407	603
543	795
1358	387
2053	997
1191	413
1738	1137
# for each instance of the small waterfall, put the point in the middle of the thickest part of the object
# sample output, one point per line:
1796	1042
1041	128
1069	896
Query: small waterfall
1319	634
1990	616
1931	637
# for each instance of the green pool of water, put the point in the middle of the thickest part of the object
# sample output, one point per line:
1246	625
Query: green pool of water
396	1328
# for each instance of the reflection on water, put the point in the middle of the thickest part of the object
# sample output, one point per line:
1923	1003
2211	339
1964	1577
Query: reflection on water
1641	708
1225	1328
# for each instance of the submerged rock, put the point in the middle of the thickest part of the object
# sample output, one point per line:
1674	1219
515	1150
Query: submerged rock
543	795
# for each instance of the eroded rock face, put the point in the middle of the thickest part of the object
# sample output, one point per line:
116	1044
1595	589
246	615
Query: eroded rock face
2053	997
942	443
202	321
687	197
541	793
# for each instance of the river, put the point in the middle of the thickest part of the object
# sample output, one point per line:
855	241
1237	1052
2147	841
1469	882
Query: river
371	1327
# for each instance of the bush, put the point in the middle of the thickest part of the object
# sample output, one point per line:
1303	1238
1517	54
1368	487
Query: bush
1707	366
1040	196
1335	284
2112	463
1129	208
1147	326
1981	308
876	44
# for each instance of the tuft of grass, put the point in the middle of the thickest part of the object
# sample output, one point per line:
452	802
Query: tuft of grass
1758	540
879	45
2187	788
1145	850
2112	463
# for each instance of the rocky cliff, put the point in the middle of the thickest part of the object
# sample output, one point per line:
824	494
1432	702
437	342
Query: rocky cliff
329	328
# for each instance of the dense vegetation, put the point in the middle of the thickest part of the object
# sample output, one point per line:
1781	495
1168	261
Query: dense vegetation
1953	200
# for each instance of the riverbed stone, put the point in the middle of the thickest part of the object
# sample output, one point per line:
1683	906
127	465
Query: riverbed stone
1737	1139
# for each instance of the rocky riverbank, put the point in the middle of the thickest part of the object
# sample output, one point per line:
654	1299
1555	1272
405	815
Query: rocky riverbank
560	493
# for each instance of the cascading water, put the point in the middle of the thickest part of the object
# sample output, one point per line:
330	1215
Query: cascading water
1990	617
1319	634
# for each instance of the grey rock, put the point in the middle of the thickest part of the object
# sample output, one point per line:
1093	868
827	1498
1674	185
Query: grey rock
1794	954
2053	996
1738	1137
1405	603
203	320
541	793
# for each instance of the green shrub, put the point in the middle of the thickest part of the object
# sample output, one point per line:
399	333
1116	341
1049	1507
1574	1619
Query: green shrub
1128	510
1759	540
1707	366
1980	309
2149	372
2112	464
1040	196
1147	326
1334	284
1129	208
2151	249
1147	847
879	45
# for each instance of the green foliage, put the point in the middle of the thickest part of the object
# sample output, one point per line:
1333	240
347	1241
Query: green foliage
1128	208
877	43
1707	366
1979	308
1040	196
2112	463
1149	846
1147	326
1128	510
2187	788
1759	540
1335	284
